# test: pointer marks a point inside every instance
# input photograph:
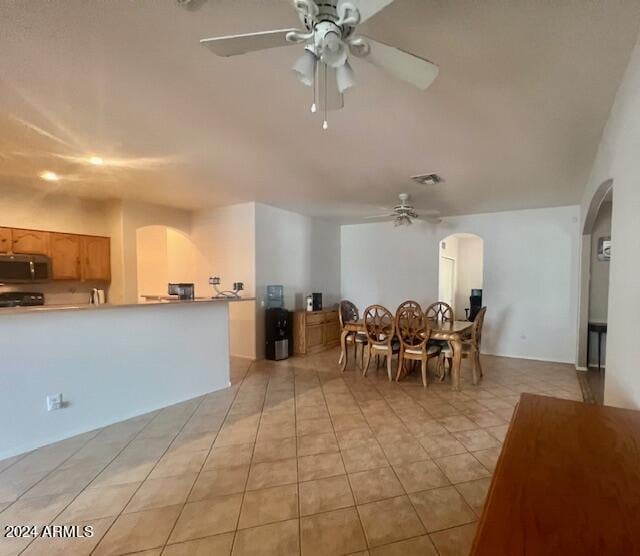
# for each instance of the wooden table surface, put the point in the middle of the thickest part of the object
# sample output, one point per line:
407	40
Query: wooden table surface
567	482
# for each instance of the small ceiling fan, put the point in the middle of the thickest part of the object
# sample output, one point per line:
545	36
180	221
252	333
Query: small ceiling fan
329	38
404	213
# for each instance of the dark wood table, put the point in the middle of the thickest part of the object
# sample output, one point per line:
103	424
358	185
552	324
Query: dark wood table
567	482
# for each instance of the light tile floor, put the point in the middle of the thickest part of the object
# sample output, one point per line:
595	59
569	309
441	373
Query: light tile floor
295	457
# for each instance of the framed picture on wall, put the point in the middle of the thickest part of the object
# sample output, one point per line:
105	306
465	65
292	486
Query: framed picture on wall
604	249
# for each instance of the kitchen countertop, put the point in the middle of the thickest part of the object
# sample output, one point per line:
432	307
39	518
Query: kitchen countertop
90	307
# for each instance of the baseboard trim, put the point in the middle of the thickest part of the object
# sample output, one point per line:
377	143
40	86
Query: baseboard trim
529	358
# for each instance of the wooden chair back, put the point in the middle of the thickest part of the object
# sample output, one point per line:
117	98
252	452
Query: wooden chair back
347	312
476	330
409	303
439	311
411	326
379	324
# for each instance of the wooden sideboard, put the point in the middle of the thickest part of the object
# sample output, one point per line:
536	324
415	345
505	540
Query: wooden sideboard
315	331
73	256
567	482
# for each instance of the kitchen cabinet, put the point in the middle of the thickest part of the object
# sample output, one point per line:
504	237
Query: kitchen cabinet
315	331
65	257
29	242
5	240
96	258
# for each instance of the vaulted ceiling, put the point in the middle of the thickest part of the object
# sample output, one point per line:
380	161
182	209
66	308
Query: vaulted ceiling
513	120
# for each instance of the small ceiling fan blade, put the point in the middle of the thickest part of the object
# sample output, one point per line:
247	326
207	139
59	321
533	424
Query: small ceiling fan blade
403	65
429	212
328	89
234	45
367	8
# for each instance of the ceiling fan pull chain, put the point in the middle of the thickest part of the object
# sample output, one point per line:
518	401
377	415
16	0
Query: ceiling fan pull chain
314	106
325	124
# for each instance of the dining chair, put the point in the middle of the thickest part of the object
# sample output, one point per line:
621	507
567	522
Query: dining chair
413	330
381	329
348	312
439	311
470	348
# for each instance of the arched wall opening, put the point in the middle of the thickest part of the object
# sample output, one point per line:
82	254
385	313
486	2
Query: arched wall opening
594	275
460	269
163	254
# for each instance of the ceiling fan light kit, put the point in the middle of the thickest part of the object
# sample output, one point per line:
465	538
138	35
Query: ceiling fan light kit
329	38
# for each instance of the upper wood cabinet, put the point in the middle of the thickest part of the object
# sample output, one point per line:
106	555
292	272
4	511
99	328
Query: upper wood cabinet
96	258
73	256
30	242
5	240
66	250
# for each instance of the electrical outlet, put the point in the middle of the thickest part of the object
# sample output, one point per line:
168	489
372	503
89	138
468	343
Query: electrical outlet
54	401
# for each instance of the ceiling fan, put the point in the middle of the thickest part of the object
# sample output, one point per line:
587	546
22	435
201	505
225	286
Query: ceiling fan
404	213
329	38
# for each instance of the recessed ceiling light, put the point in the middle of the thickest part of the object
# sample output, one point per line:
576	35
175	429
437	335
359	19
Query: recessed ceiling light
49	176
96	160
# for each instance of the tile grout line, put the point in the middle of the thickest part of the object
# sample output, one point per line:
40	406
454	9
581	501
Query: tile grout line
253	450
150	471
162	549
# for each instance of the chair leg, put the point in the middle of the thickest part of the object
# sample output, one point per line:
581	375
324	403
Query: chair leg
366	363
424	372
443	368
362	348
389	357
474	369
479	365
400	364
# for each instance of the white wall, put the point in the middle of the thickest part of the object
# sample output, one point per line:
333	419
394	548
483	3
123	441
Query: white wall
530	274
298	252
225	238
618	159
109	363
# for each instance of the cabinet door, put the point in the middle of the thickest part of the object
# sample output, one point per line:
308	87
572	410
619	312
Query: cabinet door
29	242
5	240
332	333
96	258
315	337
65	256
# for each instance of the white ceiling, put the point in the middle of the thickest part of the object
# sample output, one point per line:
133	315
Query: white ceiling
513	120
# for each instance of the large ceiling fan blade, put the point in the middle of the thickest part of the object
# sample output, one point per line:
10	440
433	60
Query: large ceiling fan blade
328	89
403	65
233	45
367	8
375	216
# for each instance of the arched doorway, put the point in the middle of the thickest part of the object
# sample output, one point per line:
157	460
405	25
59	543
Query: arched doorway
594	287
163	255
460	270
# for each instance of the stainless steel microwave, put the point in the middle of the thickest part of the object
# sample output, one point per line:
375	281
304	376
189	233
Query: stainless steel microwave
20	269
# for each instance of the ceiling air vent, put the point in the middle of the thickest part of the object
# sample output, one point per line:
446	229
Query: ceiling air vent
427	179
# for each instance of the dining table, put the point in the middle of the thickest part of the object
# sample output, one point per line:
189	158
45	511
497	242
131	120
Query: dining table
452	331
